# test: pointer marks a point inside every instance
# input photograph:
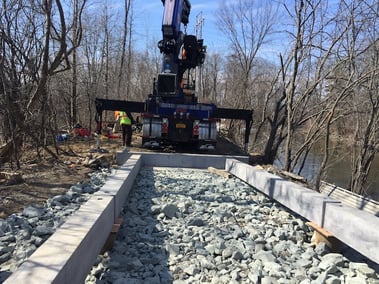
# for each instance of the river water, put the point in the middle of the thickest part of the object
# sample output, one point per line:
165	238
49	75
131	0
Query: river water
338	172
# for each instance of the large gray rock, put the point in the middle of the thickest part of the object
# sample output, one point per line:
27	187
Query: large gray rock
33	211
330	260
170	210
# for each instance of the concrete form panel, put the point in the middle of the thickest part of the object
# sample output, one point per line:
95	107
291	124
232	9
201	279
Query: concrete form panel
122	156
179	160
354	227
120	184
299	199
68	255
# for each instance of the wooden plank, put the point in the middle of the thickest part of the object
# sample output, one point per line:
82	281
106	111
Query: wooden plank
219	172
324	236
112	236
320	229
293	176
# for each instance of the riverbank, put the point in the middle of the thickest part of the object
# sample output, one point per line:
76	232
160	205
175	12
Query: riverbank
338	172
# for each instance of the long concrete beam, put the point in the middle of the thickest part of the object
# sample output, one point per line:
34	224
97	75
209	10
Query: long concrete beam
119	185
71	250
180	160
354	227
68	255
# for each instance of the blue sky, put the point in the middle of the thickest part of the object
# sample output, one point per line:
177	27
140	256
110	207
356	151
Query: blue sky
148	21
148	16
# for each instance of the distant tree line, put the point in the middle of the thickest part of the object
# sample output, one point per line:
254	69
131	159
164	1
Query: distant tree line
319	89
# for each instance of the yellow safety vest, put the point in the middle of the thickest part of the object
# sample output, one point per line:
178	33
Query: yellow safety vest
124	119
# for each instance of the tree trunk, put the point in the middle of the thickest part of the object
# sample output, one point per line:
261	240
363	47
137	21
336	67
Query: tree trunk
74	79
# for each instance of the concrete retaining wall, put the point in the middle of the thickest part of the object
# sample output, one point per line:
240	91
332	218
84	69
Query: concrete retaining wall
354	227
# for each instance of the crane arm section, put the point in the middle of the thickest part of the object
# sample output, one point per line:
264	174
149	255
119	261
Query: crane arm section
181	52
175	13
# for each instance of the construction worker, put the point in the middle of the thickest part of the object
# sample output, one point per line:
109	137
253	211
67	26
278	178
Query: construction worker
126	126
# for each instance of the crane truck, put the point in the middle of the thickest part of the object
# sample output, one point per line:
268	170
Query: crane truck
172	114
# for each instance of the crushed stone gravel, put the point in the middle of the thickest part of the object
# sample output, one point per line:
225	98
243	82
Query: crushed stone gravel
192	226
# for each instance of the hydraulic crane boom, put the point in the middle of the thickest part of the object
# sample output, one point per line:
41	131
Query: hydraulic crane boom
175	12
172	113
181	52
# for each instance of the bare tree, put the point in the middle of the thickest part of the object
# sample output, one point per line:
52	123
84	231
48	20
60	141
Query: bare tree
78	6
19	64
211	78
55	34
304	104
304	71
247	25
365	15
338	67
92	67
367	121
31	62
126	41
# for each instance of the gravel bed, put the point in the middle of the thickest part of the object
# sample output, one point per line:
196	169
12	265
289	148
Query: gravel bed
22	233
191	226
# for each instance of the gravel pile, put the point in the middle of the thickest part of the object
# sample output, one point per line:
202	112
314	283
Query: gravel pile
191	226
21	234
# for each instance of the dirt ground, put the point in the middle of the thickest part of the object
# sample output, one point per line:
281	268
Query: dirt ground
39	180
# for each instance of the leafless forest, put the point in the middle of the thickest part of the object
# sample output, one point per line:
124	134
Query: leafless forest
320	91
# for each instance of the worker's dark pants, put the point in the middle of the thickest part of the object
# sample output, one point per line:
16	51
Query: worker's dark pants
126	134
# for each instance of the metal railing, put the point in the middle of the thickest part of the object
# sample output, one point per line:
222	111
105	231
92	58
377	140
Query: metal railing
350	198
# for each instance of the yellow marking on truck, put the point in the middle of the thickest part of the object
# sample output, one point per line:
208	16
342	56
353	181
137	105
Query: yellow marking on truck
180	125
